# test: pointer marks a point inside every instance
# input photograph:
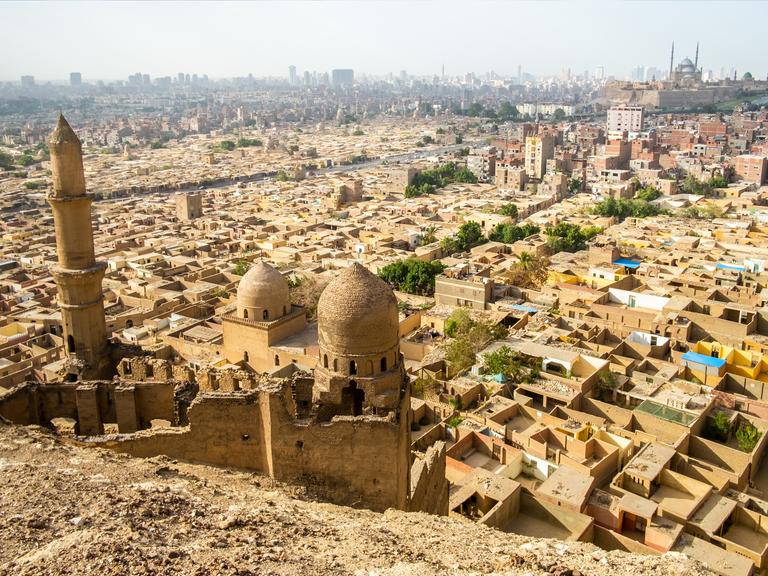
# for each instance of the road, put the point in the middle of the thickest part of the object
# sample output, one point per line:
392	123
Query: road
395	159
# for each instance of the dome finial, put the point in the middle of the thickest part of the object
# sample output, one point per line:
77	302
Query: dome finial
63	132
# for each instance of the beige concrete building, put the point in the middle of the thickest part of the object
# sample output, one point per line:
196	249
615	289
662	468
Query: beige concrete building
626	118
538	149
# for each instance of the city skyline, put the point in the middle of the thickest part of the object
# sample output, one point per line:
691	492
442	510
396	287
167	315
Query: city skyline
171	40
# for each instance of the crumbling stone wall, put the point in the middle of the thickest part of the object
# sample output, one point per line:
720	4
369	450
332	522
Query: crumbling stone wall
429	486
231	380
132	406
360	460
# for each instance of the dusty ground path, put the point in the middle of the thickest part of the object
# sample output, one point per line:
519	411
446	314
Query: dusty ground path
68	510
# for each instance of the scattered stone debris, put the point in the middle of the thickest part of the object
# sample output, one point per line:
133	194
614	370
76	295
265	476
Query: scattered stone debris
68	510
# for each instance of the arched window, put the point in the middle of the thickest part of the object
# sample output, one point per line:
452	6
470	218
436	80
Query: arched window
325	360
353	367
285	310
245	356
384	364
266	314
277	360
335	365
245	314
70	343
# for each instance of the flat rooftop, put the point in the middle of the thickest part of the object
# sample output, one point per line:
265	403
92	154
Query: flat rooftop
649	463
567	485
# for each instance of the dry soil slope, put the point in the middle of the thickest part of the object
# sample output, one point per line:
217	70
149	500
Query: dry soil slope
68	510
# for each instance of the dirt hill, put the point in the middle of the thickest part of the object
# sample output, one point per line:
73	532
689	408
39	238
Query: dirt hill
69	510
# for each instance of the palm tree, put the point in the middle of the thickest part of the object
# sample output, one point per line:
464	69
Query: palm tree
526	260
429	235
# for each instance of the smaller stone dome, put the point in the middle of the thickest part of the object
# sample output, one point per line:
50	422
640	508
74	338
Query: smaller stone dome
263	293
357	315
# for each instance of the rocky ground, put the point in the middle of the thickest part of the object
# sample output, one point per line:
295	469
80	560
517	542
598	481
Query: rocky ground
68	510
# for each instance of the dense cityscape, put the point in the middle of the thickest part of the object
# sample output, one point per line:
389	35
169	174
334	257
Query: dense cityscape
531	303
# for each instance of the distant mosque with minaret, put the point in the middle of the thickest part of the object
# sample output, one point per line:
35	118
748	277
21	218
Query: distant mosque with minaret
686	72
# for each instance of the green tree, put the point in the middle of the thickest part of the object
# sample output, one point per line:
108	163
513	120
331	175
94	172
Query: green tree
529	271
248	142
510	233
559	115
567	237
459	354
648	194
25	160
508	111
475	109
720	426
429	236
508	209
747	435
227	145
503	361
412	276
459	322
623	208
692	185
241	267
449	245
718	182
6	161
470	235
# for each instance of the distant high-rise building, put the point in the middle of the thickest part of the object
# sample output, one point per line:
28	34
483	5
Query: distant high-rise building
27	81
342	78
629	118
599	73
75	79
180	77
307	78
293	78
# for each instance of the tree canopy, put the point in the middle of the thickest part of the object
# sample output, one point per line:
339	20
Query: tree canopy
503	361
508	209
623	208
567	237
412	276
428	181
510	233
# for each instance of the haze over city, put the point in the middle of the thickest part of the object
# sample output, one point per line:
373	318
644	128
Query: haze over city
110	40
332	288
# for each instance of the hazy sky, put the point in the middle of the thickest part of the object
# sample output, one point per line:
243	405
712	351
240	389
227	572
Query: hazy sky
110	40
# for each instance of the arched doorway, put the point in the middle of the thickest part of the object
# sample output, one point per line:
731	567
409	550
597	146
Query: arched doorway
352	399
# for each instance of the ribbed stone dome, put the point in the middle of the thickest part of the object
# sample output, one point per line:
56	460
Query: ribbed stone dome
262	289
357	314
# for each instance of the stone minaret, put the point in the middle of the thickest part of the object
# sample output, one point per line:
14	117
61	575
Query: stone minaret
78	275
